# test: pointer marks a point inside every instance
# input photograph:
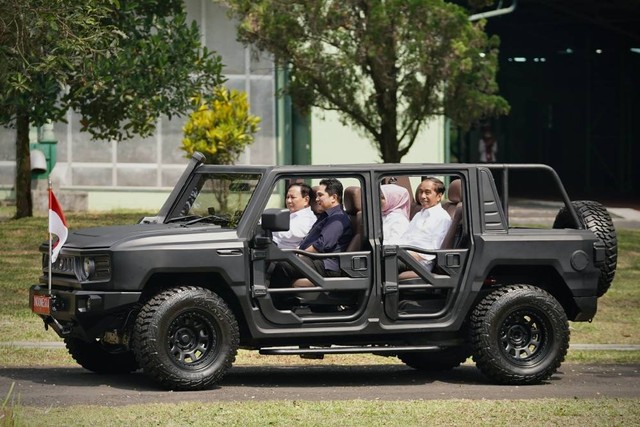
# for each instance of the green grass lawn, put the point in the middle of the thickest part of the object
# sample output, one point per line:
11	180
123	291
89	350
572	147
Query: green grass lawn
542	412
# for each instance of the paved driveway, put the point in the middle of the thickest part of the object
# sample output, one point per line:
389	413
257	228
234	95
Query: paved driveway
75	386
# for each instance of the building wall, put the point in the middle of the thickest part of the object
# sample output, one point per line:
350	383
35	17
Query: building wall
334	143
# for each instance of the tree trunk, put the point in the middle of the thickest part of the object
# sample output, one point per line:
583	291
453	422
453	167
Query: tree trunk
388	144
385	81
24	204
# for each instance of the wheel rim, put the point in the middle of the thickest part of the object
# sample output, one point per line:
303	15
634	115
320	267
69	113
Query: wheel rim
192	340
524	337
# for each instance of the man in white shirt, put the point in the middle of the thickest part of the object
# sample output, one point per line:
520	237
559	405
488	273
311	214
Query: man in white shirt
302	217
429	226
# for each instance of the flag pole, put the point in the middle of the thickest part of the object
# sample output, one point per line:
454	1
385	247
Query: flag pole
50	238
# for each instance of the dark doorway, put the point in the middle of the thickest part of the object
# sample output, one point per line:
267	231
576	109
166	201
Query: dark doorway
571	72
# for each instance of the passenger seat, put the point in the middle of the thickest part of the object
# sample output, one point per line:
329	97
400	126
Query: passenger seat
454	197
454	237
353	208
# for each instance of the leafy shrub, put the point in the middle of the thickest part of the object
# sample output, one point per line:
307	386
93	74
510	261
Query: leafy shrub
220	127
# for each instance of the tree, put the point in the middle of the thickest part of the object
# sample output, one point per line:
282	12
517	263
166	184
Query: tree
120	64
386	66
220	127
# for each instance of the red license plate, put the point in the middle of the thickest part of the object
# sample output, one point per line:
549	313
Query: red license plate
42	304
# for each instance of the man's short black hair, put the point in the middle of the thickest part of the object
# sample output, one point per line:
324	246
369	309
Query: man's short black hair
333	188
439	185
305	190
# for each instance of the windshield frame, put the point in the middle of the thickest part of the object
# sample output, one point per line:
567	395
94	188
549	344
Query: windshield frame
192	192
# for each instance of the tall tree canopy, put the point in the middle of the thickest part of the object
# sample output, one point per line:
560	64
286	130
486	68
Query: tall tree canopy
387	66
119	63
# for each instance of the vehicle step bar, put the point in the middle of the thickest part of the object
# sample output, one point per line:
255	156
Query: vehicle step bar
348	350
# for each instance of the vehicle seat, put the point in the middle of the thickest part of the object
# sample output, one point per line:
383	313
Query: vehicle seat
353	208
454	197
453	205
453	237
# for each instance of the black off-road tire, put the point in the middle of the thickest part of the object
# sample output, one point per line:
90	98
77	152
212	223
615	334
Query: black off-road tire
101	358
186	338
596	218
443	360
520	335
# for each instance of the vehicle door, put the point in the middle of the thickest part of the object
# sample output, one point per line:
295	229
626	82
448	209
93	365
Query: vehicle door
413	288
311	298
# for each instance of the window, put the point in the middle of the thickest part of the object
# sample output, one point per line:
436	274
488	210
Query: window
218	198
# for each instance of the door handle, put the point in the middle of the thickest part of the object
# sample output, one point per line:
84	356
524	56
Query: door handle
359	263
229	252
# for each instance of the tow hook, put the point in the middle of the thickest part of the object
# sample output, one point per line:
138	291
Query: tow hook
61	329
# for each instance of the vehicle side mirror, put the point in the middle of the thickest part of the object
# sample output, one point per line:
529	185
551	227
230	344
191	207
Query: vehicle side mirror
272	220
275	220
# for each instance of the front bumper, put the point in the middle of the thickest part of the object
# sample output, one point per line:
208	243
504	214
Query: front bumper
85	314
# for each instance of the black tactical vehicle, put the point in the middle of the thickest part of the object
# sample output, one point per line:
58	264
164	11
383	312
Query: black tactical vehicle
177	294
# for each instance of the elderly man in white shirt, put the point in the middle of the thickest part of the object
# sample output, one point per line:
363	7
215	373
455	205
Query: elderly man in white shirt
302	217
429	226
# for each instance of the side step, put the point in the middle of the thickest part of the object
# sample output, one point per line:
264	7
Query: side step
336	349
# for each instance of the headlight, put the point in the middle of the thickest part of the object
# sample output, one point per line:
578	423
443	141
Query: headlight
88	267
94	268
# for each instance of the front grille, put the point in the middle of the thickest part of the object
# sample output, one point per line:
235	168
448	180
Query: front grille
64	265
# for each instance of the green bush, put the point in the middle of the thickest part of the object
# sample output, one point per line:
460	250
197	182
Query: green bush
220	127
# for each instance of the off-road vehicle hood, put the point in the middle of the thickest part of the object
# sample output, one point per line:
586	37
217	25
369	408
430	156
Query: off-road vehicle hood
115	236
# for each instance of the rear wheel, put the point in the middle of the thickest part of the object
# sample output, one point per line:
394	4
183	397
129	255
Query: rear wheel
520	335
595	217
186	338
101	358
442	360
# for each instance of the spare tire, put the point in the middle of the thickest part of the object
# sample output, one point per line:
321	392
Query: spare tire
595	217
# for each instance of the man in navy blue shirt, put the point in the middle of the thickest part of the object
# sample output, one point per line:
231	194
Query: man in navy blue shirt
330	234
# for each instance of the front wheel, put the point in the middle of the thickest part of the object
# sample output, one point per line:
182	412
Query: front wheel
186	338
520	335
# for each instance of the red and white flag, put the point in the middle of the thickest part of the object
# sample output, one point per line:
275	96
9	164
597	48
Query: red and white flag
57	225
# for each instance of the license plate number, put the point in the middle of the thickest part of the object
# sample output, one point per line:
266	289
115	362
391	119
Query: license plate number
42	304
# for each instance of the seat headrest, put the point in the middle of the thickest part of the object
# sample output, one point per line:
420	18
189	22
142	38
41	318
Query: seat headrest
352	200
454	194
